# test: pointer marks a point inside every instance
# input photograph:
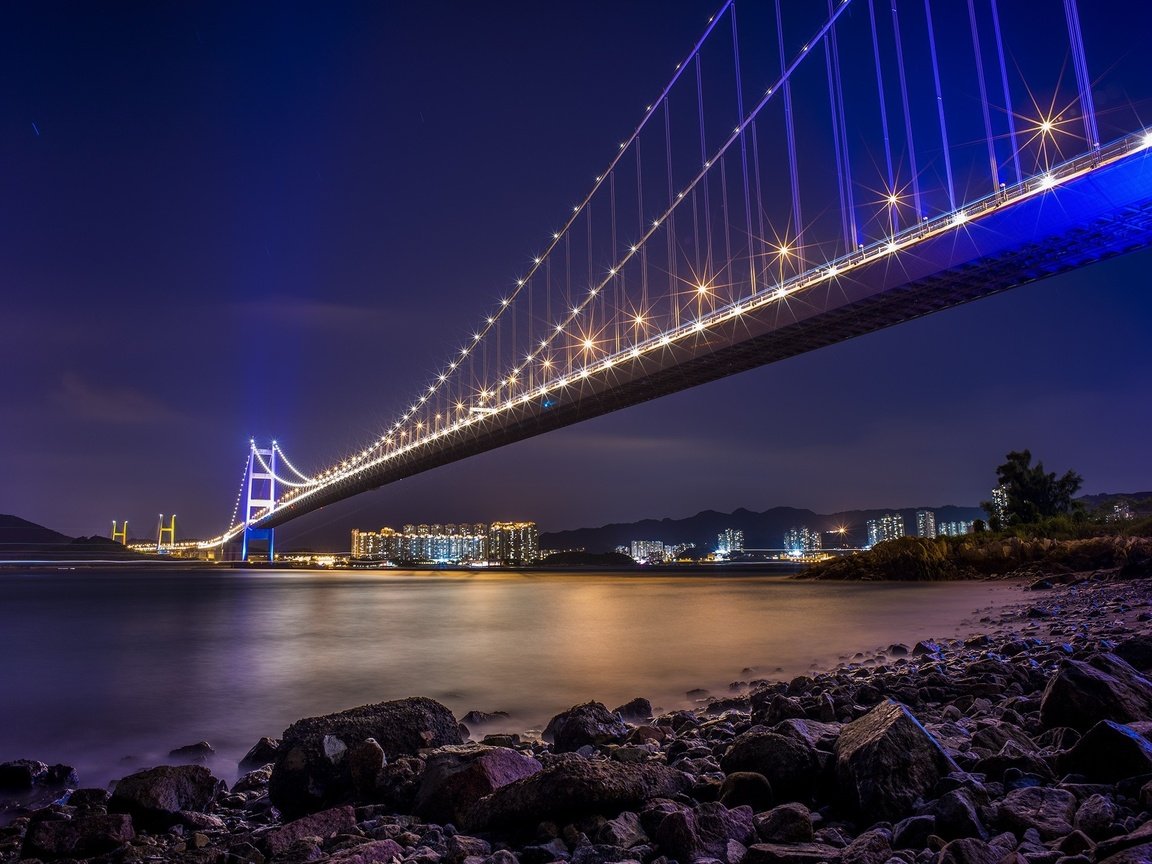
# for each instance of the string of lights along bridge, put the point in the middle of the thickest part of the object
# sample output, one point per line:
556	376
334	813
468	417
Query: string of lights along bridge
813	171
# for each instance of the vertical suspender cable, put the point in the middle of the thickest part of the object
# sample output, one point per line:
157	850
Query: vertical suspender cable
883	101
743	154
907	114
790	130
1083	82
993	167
1007	92
833	109
940	106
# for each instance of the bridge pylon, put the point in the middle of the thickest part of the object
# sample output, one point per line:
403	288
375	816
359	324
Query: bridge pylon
260	495
163	531
120	535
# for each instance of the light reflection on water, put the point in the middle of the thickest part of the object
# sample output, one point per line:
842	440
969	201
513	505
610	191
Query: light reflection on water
108	670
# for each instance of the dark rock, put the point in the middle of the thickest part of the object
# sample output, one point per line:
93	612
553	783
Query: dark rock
746	787
625	831
790	766
788	823
197	753
81	837
1108	752
573	788
872	847
326	823
913	832
482	718
365	760
956	816
1048	811
792	853
88	797
704	832
312	770
155	796
263	752
254	781
970	851
1136	651
638	710
590	723
1095	816
926	646
372	852
1134	855
22	775
458	776
886	761
1081	694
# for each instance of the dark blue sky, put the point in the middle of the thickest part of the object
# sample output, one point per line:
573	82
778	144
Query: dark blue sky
224	220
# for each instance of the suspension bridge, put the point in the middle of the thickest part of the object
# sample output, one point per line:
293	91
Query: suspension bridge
812	172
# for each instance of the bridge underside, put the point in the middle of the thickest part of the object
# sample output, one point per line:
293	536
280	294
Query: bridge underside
1098	215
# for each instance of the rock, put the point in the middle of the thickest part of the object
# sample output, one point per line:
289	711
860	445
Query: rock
788	823
254	781
886	761
88	797
1095	816
1108	752
913	832
956	816
155	796
970	850
704	832
457	776
789	765
326	823
461	846
22	775
1049	811
197	753
1134	855
1136	651
263	752
581	725
792	853
364	763
572	788
638	710
1081	694
483	718
312	770
746	787
871	847
81	837
926	646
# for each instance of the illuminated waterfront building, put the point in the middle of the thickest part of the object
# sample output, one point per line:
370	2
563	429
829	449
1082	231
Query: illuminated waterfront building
890	526
953	529
1000	506
925	523
647	551
513	543
799	541
730	541
382	545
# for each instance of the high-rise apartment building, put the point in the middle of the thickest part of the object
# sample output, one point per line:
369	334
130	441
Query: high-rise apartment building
382	545
953	529
799	541
647	551
925	523
731	540
513	543
890	526
1000	506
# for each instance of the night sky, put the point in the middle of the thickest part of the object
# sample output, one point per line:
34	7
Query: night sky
226	220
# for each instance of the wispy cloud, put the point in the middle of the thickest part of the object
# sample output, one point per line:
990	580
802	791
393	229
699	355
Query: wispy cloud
83	400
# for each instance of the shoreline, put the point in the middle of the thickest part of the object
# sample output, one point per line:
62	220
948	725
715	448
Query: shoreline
1024	642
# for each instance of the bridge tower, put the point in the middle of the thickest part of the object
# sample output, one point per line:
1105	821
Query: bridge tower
121	534
261	495
163	531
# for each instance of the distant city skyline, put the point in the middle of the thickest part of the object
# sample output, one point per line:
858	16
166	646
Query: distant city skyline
272	232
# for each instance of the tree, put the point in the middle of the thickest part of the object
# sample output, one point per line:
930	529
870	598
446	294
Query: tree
1031	493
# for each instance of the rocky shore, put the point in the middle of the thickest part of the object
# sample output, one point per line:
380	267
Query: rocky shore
1028	744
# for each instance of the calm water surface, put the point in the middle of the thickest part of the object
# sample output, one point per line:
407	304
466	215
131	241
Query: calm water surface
108	670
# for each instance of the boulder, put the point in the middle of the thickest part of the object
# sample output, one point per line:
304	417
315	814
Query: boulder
325	824
82	837
1081	694
746	787
457	776
572	788
1108	752
1136	651
886	762
956	816
792	853
1049	811
196	754
373	852
21	775
970	850
1095	816
788	823
704	832
872	847
638	710
1134	855
312	770
790	765
590	723
263	753
155	796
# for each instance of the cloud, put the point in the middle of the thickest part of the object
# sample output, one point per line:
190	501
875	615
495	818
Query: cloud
112	405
